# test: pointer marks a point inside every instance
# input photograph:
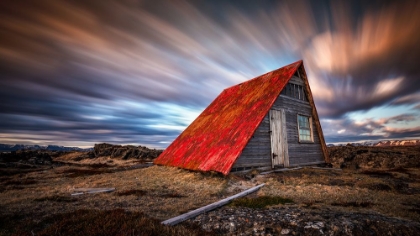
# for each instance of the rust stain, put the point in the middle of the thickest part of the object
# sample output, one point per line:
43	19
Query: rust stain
214	140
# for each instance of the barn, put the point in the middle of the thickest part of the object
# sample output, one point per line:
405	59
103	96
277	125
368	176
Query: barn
266	122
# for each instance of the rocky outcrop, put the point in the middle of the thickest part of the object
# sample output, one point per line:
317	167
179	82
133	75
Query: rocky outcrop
125	152
374	157
293	220
382	143
46	157
36	157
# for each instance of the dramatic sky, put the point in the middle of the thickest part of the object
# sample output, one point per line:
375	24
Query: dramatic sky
76	73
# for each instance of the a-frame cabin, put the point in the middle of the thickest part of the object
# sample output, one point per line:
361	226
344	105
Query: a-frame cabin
266	122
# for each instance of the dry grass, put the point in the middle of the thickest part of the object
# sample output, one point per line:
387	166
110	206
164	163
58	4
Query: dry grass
168	191
95	222
384	192
74	158
164	192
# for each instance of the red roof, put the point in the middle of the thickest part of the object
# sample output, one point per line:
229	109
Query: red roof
214	140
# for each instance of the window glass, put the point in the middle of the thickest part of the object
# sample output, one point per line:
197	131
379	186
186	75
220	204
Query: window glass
304	128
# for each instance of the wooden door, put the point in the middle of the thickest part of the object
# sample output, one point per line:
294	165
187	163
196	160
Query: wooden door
279	149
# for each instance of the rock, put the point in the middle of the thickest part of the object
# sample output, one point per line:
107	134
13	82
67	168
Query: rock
125	152
232	227
285	231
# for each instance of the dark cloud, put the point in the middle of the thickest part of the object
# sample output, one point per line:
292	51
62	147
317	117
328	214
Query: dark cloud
140	71
407	99
349	130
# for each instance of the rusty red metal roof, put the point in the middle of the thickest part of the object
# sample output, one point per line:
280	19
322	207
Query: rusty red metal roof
216	138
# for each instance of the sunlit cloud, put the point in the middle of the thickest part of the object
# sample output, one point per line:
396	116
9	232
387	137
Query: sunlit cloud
140	72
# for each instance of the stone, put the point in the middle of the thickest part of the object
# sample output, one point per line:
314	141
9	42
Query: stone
285	231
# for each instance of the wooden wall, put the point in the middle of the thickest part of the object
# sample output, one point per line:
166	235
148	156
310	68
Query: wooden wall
257	153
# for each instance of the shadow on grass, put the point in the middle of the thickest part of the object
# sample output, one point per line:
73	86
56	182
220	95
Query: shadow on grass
136	192
259	202
73	173
95	222
352	204
56	198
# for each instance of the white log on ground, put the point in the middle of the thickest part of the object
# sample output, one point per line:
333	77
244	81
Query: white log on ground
201	210
80	191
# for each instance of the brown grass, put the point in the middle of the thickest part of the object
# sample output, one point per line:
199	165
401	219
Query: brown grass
383	191
95	222
165	192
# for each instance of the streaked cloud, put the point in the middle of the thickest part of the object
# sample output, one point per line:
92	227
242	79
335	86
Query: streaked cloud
140	71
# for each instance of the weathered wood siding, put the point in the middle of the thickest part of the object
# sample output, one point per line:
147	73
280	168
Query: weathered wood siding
299	153
257	153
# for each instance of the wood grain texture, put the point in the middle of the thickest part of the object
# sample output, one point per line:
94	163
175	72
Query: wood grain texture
297	153
301	71
276	138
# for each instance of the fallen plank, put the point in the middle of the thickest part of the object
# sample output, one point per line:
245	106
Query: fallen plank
279	170
80	191
201	210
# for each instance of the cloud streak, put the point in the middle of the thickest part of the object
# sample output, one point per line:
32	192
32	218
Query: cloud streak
140	71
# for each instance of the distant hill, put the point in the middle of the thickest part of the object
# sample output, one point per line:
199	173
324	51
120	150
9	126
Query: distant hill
383	143
16	147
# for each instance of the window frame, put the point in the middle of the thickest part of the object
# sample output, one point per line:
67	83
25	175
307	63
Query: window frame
310	129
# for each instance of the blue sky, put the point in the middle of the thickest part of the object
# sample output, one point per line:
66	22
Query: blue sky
76	73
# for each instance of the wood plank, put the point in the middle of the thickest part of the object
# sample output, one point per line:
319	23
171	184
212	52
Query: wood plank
315	114
80	191
253	160
284	139
201	210
253	165
296	80
276	138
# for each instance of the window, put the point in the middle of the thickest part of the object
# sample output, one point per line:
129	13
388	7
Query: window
294	91
305	128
